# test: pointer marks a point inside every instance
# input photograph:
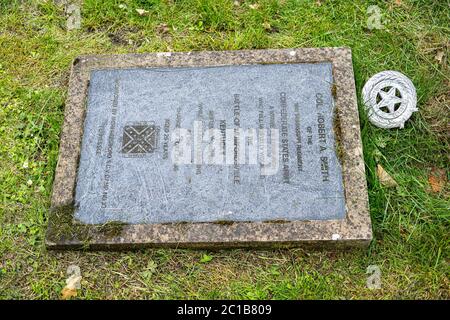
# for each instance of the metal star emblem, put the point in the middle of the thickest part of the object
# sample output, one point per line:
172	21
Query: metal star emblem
389	99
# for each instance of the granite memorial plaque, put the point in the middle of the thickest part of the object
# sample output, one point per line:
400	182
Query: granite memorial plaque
211	149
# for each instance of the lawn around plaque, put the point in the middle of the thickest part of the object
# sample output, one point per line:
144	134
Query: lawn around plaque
50	51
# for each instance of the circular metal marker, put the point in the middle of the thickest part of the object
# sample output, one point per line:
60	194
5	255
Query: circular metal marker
390	99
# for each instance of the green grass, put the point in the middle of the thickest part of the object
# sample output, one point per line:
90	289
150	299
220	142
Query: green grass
411	223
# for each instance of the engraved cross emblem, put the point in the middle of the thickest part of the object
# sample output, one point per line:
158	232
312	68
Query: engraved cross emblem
139	139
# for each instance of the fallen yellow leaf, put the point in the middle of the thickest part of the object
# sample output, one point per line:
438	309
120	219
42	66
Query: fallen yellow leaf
439	57
162	28
67	293
141	12
437	179
384	177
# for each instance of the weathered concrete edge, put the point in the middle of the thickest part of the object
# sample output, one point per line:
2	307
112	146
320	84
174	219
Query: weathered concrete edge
355	230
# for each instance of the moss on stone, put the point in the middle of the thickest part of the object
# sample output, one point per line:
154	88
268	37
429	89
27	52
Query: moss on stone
111	229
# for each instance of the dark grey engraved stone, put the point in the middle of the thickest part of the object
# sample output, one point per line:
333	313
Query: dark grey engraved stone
127	170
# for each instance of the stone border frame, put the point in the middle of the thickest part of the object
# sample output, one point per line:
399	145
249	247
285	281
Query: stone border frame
355	230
